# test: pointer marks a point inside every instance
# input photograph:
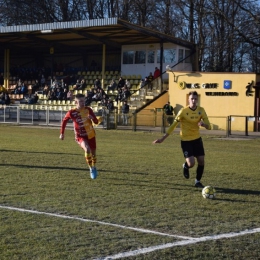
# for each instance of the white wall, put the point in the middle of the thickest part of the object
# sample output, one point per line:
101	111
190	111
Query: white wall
171	56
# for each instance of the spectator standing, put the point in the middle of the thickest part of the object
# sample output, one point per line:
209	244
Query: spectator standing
125	94
149	80
128	84
110	105
125	112
168	110
2	98
156	76
7	99
157	73
43	81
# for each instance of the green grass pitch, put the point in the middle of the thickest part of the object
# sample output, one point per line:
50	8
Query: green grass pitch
140	185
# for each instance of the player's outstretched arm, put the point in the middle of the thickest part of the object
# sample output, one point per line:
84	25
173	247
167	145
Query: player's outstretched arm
160	140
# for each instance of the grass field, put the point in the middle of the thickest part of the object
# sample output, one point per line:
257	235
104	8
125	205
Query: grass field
139	207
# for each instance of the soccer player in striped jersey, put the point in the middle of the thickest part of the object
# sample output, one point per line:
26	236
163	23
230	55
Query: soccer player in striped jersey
85	135
191	118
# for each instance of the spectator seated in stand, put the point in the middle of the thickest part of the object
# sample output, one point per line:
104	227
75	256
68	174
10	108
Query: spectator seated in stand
46	90
51	95
121	83
70	95
77	85
119	95
36	86
59	94
65	94
88	99
24	89
63	85
82	85
104	102
97	96
112	86
97	83
33	98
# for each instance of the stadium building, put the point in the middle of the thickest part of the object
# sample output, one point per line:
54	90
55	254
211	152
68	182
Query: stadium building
110	48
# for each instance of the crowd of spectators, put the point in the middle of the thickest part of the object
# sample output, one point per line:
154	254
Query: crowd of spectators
58	87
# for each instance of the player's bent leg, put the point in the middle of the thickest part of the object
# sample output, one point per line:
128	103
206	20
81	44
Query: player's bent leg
84	145
190	161
199	172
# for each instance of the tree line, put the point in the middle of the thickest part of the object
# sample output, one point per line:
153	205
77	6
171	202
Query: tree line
227	32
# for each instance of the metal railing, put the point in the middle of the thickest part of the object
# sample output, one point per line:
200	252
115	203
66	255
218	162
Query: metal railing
243	122
146	119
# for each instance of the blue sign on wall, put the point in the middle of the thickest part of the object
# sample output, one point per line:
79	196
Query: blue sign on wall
227	84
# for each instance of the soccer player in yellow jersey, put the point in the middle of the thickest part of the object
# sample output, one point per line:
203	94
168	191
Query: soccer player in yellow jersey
190	119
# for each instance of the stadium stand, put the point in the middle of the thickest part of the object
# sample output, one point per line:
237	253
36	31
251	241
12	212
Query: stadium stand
137	98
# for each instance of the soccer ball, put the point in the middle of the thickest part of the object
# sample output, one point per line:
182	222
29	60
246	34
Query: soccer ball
208	192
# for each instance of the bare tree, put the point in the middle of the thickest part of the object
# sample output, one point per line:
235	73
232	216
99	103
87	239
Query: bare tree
226	32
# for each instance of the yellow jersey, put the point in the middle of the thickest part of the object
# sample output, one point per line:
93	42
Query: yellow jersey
189	119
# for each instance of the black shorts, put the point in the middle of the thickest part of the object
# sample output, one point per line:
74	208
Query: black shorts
192	148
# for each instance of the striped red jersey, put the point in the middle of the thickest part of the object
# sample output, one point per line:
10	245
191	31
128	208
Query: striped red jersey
83	126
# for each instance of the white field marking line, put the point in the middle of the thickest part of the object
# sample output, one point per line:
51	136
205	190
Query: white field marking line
94	221
178	243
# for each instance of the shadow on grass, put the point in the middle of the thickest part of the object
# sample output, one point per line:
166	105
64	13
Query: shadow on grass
43	167
147	183
48	153
237	191
34	152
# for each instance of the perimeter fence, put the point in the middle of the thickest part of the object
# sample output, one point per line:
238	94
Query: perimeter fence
144	120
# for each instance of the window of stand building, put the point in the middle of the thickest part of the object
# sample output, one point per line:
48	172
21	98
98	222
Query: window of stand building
150	56
184	53
140	57
169	56
128	57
